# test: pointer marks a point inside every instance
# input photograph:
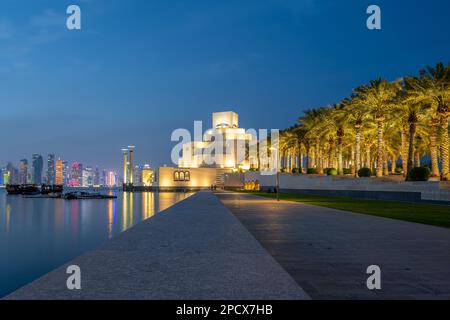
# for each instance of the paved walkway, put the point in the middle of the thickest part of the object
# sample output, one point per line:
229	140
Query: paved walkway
327	251
194	250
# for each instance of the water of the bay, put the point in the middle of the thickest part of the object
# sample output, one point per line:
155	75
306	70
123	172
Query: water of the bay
38	235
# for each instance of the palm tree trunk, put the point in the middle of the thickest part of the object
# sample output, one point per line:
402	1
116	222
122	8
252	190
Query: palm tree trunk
320	161
340	167
404	151
412	135
394	164
368	159
330	153
445	148
358	150
380	148
386	161
434	150
352	161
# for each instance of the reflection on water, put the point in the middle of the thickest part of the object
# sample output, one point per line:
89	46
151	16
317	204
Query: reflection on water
38	235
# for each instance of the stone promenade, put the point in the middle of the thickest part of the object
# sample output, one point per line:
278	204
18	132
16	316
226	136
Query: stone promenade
327	251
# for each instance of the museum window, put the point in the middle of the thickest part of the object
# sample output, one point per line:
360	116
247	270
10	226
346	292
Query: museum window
181	176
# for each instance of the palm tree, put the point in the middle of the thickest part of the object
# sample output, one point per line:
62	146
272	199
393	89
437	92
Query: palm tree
357	116
339	122
378	97
413	112
433	87
313	122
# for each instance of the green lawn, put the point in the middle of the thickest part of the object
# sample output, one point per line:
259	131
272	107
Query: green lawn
436	215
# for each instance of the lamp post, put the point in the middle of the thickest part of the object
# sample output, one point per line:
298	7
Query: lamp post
278	173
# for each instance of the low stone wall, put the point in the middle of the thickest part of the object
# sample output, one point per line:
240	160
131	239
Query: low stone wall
363	187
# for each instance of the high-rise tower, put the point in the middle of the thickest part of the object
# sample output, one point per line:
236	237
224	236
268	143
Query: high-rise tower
36	169
125	166
131	165
59	178
51	169
23	173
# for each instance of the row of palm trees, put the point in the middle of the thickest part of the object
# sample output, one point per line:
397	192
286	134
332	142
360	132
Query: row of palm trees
380	124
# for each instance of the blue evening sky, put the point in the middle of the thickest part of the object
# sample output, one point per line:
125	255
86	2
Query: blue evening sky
139	68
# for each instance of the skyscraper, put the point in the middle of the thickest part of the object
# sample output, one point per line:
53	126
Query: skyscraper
147	176
131	165
75	175
88	177
125	166
23	171
96	177
111	179
6	176
37	166
137	179
66	173
51	169
13	173
59	178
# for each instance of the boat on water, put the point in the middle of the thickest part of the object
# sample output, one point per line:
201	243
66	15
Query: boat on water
22	189
47	189
78	195
33	189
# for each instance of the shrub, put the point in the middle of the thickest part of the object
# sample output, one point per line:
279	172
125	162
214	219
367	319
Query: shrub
399	170
312	171
420	174
331	172
295	170
347	171
284	170
364	172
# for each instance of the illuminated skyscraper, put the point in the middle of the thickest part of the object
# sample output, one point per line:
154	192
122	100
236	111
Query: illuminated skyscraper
137	180
6	176
13	173
147	176
96	177
88	177
51	169
66	173
131	165
125	166
37	166
111	179
59	178
75	175
23	171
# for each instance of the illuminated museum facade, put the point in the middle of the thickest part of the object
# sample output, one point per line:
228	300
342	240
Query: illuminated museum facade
204	163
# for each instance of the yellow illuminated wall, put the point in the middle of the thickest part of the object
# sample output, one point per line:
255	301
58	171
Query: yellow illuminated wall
198	177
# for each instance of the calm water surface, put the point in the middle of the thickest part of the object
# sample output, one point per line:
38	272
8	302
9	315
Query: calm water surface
38	235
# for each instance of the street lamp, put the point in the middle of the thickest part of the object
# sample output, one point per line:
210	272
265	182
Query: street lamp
278	173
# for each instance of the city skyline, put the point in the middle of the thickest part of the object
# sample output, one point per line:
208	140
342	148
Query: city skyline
72	173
